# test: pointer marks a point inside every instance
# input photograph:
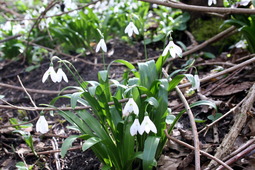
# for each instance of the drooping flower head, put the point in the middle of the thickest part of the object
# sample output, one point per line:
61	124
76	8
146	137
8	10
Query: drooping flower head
174	50
135	127
130	107
101	45
42	125
61	74
147	126
50	72
130	29
210	2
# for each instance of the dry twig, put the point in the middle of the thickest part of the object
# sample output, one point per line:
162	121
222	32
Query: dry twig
192	123
202	152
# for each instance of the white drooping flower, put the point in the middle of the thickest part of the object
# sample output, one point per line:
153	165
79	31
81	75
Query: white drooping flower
50	72
61	74
101	45
130	29
147	126
210	2
130	107
42	125
135	127
174	50
241	44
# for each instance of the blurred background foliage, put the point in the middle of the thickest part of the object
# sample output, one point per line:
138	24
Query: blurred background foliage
76	31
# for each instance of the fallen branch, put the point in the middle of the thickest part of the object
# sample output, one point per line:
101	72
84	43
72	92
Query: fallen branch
186	7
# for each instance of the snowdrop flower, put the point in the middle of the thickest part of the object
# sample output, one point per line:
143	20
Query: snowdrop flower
61	74
52	73
130	29
173	49
210	2
147	126
135	127
101	45
42	125
130	107
241	44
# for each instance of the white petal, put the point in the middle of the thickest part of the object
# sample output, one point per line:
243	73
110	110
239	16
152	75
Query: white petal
136	30
127	109
135	107
53	75
65	77
61	74
127	28
134	127
152	126
42	125
178	50
142	128
209	2
130	32
166	50
103	45
98	47
45	75
197	82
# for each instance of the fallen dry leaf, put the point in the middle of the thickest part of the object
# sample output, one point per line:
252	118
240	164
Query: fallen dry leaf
232	89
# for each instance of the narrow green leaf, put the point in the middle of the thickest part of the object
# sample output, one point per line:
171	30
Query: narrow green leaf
152	101
149	151
74	98
67	144
129	65
90	142
174	82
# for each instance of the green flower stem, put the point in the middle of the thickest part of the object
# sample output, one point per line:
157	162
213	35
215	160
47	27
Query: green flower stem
104	61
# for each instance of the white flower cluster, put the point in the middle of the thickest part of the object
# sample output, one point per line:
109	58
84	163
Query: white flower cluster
146	126
56	77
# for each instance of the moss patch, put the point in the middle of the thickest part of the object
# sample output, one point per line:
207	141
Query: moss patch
203	30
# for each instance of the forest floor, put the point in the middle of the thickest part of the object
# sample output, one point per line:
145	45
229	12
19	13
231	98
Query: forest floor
227	91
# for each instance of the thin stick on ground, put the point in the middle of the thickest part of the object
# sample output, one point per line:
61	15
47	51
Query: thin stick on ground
238	156
192	123
222	117
202	152
30	98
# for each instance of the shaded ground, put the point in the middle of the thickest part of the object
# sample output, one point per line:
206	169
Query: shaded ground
228	93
